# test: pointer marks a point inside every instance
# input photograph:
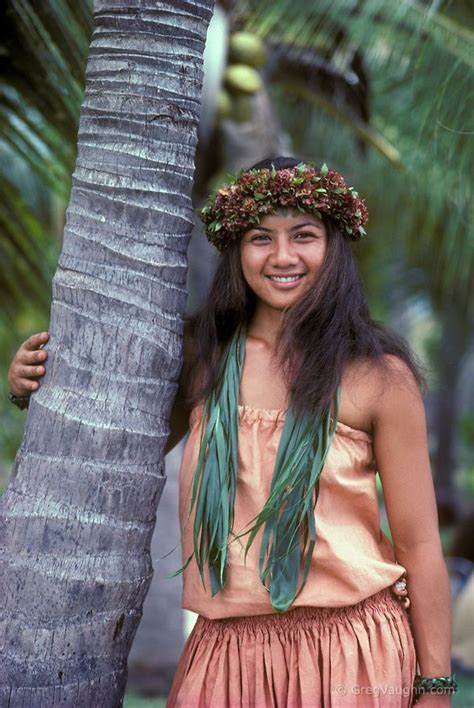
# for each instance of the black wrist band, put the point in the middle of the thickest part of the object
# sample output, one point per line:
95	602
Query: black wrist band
20	402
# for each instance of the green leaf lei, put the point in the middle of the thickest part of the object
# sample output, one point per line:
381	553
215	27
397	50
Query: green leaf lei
289	534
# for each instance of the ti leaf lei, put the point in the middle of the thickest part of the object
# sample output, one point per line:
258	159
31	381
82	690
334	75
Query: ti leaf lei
288	516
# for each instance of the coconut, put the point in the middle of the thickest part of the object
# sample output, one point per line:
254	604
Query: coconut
239	77
246	48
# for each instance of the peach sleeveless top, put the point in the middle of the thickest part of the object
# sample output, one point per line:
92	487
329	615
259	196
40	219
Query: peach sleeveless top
353	558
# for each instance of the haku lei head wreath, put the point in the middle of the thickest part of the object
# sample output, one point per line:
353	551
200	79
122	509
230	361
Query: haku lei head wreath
254	193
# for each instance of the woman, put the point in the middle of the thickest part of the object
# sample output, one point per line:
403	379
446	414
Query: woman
297	399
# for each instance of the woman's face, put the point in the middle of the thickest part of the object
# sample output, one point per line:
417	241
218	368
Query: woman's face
283	256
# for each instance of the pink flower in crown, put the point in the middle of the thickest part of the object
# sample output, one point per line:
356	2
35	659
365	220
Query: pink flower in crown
249	205
247	178
282	178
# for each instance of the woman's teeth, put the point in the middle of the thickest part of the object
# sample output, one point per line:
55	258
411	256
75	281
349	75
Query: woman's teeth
285	279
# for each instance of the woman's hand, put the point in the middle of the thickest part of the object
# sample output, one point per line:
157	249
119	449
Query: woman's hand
27	365
400	591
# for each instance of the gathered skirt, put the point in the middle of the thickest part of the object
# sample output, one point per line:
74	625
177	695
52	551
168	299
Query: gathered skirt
347	657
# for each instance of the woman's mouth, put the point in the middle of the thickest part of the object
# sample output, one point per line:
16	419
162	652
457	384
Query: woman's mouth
285	281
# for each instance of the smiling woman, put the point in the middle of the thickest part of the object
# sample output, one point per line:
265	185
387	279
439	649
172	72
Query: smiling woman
294	398
297	398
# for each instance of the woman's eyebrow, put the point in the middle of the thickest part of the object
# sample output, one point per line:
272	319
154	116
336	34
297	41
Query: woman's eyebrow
293	228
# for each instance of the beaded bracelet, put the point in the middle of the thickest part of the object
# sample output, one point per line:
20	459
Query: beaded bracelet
437	685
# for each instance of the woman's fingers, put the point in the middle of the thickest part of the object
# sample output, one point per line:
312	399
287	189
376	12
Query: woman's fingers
30	351
27	365
26	386
400	590
29	372
20	386
35	341
30	358
23	379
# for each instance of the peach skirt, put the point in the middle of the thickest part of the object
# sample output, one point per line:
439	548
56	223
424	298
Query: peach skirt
309	657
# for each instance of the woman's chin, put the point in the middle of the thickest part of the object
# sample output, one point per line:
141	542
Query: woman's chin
282	302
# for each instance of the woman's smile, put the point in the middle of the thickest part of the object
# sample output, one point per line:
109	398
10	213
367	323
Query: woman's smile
285	282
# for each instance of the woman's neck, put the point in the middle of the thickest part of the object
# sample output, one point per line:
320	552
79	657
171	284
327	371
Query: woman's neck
265	324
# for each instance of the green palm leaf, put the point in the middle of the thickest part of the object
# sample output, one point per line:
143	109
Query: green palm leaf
44	48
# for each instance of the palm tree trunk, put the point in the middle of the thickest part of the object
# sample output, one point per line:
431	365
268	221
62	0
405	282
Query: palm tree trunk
160	636
77	517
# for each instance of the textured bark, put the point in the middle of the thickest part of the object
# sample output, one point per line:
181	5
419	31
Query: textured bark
160	636
78	515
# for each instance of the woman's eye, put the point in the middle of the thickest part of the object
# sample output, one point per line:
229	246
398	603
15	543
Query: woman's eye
305	234
260	237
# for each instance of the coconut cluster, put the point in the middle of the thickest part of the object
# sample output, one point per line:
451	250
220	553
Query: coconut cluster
252	194
242	79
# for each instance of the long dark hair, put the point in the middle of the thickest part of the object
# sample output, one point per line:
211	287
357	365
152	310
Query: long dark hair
329	327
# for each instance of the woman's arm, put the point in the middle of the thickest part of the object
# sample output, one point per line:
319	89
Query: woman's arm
401	451
28	366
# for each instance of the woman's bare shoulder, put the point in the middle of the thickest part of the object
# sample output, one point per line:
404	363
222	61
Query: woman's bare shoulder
368	386
375	376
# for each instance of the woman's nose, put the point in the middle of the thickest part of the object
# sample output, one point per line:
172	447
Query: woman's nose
283	253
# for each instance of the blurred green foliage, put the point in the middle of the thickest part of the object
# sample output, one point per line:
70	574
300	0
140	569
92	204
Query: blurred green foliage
131	700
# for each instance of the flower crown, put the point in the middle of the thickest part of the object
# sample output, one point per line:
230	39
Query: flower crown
238	206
